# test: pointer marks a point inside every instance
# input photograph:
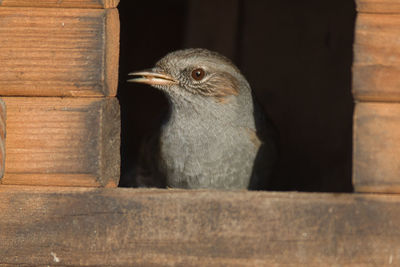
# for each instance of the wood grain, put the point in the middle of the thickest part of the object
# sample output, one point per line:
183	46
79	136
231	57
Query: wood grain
3	116
127	227
378	6
376	158
376	66
58	52
62	141
61	3
111	52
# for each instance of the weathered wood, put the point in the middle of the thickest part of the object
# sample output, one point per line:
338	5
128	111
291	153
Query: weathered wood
62	3
376	157
127	227
3	116
111	52
62	141
376	67
378	6
58	51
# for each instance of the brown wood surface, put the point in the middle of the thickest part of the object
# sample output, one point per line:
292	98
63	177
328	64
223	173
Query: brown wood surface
376	162
111	52
62	141
378	6
61	3
58	51
128	227
376	67
3	116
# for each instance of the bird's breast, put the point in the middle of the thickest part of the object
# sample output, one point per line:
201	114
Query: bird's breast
207	156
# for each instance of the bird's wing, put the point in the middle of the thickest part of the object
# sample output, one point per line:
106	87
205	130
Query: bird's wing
147	173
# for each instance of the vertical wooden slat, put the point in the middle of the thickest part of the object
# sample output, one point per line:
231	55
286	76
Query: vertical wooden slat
3	117
111	52
376	89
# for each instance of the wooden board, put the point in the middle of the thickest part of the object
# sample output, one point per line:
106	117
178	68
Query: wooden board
62	141
127	227
378	6
61	3
58	52
3	116
376	153
376	67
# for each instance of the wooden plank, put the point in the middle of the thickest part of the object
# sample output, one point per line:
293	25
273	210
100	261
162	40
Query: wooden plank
127	227
3	116
376	157
61	4
376	66
111	52
378	6
58	52
62	141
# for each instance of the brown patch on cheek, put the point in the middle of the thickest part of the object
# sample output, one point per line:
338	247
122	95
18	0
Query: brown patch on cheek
219	86
223	99
224	85
253	137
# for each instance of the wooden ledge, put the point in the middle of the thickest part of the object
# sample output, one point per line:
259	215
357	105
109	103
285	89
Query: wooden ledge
128	227
61	4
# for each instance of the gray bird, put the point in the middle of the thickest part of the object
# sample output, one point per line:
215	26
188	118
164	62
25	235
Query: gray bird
215	135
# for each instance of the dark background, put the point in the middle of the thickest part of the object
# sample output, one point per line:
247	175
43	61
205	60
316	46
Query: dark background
296	55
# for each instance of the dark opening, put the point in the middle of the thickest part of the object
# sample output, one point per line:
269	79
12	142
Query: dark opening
296	55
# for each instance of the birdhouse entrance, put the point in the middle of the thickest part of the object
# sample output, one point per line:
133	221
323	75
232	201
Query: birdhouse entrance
60	134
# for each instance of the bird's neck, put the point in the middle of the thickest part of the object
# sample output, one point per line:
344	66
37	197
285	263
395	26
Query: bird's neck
200	112
202	117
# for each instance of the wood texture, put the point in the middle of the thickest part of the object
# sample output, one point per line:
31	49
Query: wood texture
376	162
3	116
376	67
127	227
61	3
62	141
58	52
378	6
111	52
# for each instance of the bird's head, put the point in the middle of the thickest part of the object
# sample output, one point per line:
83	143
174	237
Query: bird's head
192	75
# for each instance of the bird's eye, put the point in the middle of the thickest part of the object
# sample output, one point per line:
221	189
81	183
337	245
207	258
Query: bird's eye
198	74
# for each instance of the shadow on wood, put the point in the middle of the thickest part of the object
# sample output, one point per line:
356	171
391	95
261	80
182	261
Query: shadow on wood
122	227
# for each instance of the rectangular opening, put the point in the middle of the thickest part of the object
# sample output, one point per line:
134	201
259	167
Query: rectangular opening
297	57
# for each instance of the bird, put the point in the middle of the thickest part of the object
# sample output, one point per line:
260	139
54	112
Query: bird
215	134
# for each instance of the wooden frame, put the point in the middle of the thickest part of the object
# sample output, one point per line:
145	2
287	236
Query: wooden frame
133	227
70	226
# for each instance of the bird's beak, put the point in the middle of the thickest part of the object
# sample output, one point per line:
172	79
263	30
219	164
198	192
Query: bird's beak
152	77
